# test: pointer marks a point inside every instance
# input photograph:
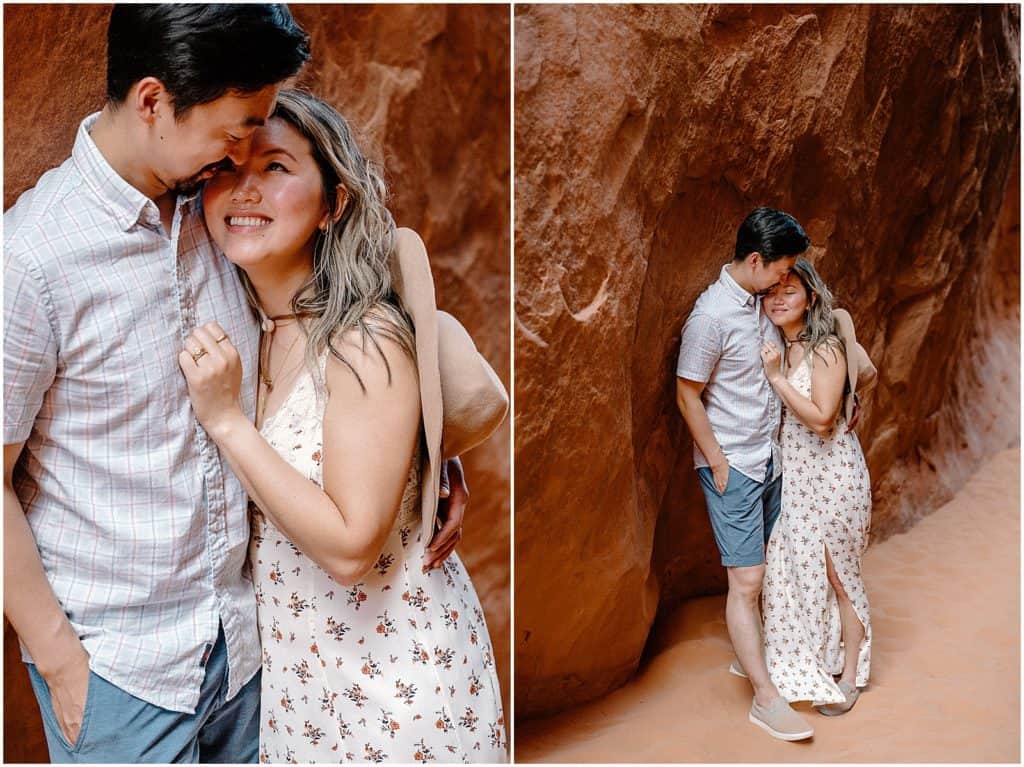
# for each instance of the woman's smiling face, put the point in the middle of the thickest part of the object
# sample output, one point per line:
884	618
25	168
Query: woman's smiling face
266	212
787	301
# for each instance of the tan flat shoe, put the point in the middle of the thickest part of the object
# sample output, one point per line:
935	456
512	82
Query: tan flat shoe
838	709
780	720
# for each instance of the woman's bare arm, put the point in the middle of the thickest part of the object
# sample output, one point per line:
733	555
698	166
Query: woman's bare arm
368	443
828	377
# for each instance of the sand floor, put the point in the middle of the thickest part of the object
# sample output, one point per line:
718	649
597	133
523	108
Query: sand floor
945	676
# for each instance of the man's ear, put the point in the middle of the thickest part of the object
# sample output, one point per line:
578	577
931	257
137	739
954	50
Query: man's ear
754	259
148	98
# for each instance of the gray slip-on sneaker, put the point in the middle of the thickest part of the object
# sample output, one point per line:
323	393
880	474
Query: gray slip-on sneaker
837	709
780	720
736	669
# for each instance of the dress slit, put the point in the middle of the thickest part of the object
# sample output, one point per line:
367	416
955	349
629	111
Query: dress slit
859	606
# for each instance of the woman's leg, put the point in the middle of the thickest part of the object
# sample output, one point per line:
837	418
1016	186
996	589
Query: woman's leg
853	630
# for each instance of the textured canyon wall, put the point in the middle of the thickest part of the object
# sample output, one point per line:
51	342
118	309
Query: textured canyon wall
644	135
427	88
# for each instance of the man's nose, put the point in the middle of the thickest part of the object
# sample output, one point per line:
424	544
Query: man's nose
238	153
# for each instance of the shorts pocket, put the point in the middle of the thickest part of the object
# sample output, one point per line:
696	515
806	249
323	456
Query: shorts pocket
707	478
728	480
46	709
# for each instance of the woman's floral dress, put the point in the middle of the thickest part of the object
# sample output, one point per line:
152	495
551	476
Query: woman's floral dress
826	502
397	668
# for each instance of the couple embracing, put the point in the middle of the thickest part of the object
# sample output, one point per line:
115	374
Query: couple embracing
224	430
766	382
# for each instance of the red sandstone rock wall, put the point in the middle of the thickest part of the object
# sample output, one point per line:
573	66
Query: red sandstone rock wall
644	135
428	89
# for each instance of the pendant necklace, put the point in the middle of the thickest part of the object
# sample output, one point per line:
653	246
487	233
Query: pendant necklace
789	345
269	326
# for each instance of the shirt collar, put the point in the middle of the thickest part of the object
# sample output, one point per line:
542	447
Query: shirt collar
733	288
128	204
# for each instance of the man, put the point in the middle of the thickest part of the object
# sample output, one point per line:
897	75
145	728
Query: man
733	414
125	532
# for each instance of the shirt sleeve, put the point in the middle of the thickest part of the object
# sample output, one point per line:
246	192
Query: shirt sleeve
30	349
699	348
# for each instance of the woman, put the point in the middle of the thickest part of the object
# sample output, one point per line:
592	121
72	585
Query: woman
366	657
816	619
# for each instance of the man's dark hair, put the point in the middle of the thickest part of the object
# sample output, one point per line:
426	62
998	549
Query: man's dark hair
200	52
771	233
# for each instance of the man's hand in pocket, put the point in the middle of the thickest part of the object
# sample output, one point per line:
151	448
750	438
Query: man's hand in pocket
720	472
69	684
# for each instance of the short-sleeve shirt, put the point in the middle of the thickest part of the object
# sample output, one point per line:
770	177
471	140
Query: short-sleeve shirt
721	348
141	527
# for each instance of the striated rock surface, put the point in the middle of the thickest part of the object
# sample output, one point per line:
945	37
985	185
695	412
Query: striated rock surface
427	90
644	135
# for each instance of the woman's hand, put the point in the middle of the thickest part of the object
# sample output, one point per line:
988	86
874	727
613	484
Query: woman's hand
771	358
213	371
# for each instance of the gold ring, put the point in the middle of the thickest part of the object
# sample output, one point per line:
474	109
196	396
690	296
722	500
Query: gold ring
218	340
198	353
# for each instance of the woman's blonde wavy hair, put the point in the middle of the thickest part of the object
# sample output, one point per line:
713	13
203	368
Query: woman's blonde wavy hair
819	325
351	283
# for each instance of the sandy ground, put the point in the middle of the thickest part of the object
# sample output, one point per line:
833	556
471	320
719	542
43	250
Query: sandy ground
945	676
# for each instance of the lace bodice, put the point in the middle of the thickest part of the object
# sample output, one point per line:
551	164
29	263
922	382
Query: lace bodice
800	376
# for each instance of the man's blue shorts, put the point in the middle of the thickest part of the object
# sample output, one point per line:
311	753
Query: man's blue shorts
743	516
120	728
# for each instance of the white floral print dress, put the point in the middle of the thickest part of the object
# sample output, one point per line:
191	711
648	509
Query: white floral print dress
826	502
397	668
